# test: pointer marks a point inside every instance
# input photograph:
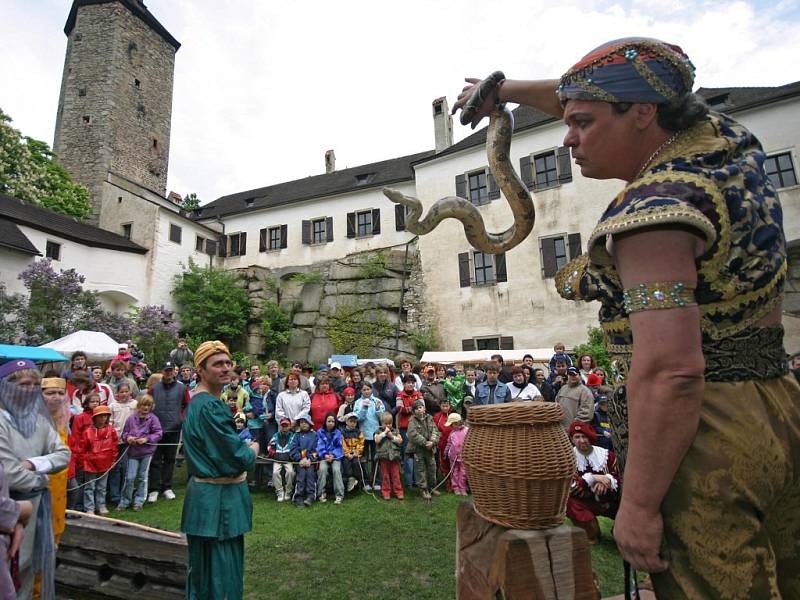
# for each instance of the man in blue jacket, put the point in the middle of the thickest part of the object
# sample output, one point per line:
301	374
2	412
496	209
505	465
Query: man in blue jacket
491	391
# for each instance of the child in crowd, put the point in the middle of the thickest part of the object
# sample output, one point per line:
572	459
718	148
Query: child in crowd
368	409
141	432
122	407
348	406
454	388
236	392
304	451
330	450
602	423
235	412
256	415
280	447
353	450
559	354
80	424
422	439
455	446
405	408
99	454
242	430
389	441
440	419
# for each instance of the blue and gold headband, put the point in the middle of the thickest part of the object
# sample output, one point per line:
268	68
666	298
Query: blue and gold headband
629	70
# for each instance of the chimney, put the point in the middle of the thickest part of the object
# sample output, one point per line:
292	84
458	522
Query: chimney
330	162
175	197
442	124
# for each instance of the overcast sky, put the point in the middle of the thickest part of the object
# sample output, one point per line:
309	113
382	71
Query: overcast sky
263	88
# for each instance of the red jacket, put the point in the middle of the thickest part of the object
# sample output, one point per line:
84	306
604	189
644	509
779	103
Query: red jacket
99	449
404	413
80	423
321	405
440	419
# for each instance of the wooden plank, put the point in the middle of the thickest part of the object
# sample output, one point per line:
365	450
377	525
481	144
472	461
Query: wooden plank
78	583
546	564
120	523
149	567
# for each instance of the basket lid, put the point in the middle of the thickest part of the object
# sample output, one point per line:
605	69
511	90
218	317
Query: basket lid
515	413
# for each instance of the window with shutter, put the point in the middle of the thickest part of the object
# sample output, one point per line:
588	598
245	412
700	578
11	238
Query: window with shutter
318	235
506	342
329	229
463	269
478	190
564	164
284	230
545	169
461	186
222	246
494	190
574	243
399	217
238	244
306	232
487	343
274	241
376	221
262	240
484	268
526	172
468	345
547	247
175	233
363	223
500	267
351	225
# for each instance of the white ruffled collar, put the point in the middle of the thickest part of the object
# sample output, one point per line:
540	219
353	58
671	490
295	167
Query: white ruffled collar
596	461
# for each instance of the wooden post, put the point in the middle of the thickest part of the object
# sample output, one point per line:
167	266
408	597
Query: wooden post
495	562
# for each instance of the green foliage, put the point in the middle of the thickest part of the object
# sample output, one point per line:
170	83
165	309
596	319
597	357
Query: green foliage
596	347
29	171
373	266
424	339
241	359
276	324
212	303
190	202
356	328
310	277
11	307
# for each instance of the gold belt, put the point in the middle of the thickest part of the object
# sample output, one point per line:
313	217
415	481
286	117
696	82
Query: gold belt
223	480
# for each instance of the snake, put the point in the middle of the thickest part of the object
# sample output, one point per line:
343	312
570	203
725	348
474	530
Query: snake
498	145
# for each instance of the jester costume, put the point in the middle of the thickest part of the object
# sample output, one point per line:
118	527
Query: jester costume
732	512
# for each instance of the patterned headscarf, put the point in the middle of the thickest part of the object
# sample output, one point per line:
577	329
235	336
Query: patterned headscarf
23	403
207	349
629	70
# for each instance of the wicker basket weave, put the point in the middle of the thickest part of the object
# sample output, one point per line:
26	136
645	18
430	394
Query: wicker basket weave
520	464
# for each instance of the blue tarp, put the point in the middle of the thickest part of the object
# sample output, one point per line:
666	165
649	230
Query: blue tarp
9	352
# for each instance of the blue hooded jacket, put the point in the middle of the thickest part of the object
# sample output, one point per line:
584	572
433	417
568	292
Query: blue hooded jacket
330	442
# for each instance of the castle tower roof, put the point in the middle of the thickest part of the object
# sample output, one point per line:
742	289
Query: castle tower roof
137	7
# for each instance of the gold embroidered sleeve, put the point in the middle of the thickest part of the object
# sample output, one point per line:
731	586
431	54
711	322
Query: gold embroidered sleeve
657	296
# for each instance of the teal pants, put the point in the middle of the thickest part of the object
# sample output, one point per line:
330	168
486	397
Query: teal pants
216	568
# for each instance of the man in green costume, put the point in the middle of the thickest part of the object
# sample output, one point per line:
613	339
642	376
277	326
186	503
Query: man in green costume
217	510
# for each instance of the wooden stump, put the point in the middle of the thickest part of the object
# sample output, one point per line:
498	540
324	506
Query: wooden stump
495	562
102	558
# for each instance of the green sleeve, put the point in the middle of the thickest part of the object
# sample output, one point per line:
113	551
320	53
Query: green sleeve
223	446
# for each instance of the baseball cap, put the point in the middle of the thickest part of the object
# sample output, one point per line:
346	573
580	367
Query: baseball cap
285	421
573	371
168	365
336	365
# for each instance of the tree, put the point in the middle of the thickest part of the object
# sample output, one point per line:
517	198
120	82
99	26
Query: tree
29	171
212	303
190	202
276	325
11	307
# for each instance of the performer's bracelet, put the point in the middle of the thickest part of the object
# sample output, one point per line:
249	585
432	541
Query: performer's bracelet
658	295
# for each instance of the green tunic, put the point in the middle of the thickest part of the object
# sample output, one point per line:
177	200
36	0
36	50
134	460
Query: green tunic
215	517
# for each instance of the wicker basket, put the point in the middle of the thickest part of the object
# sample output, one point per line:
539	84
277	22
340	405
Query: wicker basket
519	463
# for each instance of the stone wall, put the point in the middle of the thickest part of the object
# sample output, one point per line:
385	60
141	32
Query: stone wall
384	284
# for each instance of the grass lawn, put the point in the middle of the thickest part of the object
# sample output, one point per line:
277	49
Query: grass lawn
361	549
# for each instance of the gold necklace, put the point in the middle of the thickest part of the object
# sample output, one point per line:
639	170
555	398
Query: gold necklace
658	151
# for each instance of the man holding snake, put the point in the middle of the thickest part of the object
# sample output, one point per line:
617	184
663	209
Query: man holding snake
689	265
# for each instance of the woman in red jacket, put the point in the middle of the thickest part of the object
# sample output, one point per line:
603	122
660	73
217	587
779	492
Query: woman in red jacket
99	455
323	401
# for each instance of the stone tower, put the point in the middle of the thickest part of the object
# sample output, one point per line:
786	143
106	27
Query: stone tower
115	105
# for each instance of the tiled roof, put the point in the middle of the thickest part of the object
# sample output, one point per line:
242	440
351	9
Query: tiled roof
373	175
11	237
43	219
736	99
136	7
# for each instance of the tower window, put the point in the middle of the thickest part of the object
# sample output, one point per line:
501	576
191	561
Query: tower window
137	83
78	37
53	250
155	144
87	120
127	228
81	92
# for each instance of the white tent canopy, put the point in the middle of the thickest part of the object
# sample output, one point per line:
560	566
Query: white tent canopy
96	344
540	355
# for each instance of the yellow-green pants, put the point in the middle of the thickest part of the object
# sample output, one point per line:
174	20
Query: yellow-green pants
732	513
